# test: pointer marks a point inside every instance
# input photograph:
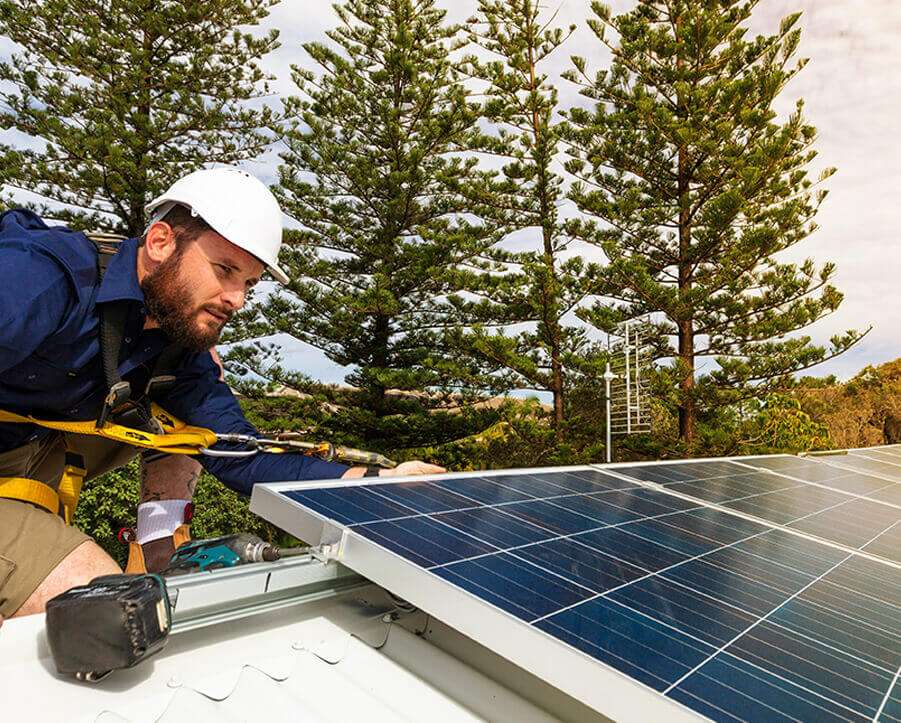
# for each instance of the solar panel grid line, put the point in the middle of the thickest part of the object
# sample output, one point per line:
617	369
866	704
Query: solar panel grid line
876	457
501	508
763	619
887	695
774	525
889	459
825	609
747	662
657	572
726	603
555	574
550	571
790	688
570	536
567	536
826	486
856	642
887	476
758	622
476	504
876	625
795	630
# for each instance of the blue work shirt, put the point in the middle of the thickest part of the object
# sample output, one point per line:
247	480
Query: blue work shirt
50	364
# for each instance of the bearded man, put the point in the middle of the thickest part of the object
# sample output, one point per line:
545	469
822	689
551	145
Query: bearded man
210	238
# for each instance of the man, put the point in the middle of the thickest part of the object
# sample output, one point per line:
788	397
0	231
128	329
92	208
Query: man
209	240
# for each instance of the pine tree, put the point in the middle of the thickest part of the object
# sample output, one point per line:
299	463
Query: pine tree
368	174
121	98
695	186
536	287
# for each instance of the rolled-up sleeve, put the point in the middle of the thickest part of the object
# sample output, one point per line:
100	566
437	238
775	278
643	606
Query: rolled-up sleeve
201	399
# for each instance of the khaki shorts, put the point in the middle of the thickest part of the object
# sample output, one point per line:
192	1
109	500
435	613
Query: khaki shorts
33	541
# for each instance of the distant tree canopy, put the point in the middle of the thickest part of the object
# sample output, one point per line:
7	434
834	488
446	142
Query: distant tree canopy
369	173
120	99
536	287
692	186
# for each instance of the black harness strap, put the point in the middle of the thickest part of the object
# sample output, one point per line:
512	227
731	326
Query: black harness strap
119	404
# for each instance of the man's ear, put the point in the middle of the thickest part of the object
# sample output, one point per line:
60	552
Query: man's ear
160	241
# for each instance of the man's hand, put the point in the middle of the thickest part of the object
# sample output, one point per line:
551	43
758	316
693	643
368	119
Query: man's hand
412	467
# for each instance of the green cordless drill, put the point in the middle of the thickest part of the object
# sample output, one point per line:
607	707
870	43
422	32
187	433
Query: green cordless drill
226	551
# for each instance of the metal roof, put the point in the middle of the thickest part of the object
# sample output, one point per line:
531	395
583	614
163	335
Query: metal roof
296	640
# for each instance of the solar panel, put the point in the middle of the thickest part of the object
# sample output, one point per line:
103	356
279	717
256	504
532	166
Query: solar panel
813	494
734	588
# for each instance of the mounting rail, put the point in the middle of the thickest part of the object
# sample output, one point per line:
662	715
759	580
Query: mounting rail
217	596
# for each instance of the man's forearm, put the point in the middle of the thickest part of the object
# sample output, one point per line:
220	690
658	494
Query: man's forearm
173	477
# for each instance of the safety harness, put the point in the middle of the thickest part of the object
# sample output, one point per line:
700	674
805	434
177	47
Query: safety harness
138	421
123	418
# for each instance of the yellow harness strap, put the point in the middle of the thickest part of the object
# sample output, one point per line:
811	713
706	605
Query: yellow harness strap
177	438
30	490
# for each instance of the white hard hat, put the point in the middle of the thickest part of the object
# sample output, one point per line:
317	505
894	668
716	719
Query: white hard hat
236	205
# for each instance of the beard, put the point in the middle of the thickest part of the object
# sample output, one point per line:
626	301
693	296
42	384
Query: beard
165	294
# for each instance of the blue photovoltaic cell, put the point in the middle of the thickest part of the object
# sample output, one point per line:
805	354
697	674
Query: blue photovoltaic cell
484	490
580	563
421	496
723	489
607	508
349	505
700	615
618	543
424	541
730	689
494	526
856	522
789	505
669	473
664	533
514	585
734	618
534	486
557	519
813	666
653	653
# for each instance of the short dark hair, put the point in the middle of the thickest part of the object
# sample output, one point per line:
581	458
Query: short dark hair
186	226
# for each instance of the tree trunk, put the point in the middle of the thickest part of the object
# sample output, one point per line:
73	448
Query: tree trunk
380	361
687	411
548	224
685	320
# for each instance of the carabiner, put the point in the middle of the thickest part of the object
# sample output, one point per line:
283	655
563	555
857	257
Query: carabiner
246	439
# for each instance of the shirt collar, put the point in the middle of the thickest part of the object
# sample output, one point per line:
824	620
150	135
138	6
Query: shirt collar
120	281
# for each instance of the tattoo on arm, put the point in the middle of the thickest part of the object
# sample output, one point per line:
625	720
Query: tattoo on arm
169	478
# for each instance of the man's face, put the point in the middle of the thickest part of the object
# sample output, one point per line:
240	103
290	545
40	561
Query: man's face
195	291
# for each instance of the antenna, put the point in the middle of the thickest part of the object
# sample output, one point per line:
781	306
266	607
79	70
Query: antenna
627	379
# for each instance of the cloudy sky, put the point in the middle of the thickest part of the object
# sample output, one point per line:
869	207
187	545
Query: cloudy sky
852	92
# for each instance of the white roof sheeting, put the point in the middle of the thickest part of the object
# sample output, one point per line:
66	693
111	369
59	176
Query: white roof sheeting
333	659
